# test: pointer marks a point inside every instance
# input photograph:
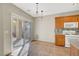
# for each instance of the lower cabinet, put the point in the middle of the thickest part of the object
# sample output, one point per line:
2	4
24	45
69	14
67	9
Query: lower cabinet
74	51
60	40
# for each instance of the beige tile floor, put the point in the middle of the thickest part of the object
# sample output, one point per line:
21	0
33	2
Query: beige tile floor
40	48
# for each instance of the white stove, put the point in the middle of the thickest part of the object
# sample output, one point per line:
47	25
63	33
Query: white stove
70	38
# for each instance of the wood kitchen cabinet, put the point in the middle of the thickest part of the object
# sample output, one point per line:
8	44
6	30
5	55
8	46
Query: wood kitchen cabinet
74	51
78	20
77	16
60	40
70	19
59	22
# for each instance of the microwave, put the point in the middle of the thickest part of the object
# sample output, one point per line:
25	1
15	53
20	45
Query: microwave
71	25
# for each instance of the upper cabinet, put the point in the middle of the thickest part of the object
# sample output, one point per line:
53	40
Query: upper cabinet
78	21
78	18
70	19
67	22
59	22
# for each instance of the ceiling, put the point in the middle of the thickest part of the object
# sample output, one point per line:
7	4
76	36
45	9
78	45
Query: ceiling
48	8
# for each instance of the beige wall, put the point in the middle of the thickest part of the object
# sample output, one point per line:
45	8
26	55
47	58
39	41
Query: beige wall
45	27
1	32
7	10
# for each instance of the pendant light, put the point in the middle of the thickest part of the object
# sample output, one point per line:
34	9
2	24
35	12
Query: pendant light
37	8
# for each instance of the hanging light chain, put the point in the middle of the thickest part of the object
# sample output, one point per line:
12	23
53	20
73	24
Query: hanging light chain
37	8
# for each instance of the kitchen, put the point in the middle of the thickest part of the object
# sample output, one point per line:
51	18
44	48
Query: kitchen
67	33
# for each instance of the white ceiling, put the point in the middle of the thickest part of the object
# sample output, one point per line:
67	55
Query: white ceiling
49	8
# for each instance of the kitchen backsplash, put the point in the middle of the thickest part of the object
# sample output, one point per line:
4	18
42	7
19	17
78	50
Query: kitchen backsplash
67	31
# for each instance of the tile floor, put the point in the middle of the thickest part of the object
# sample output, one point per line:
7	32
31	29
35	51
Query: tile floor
40	48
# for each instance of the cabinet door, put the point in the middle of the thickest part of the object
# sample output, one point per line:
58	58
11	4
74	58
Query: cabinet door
78	21
60	40
59	22
70	19
78	18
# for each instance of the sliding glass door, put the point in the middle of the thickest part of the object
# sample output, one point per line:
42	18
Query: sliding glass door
20	36
26	36
16	33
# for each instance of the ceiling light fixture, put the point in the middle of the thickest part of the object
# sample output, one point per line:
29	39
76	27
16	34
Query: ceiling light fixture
42	14
38	11
37	8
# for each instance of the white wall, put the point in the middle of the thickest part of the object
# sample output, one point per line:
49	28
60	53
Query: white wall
44	28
